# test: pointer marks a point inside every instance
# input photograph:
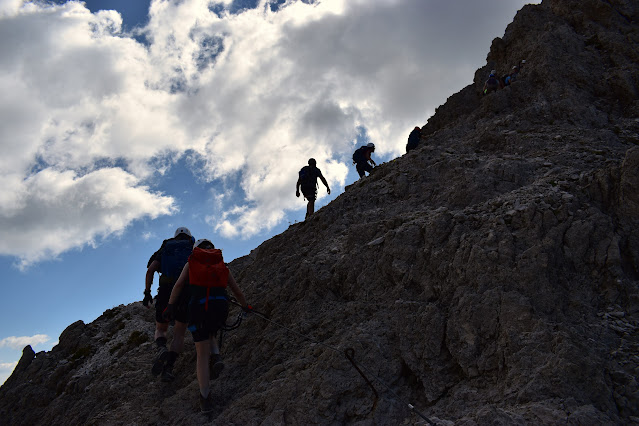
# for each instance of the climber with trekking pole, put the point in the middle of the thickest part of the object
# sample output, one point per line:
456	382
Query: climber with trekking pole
207	278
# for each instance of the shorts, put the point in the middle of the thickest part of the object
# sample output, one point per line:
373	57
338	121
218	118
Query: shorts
204	324
162	300
363	167
310	193
490	88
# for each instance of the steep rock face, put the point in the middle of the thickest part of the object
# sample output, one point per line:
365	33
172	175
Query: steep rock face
488	277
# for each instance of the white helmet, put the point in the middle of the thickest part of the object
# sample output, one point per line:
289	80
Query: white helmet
202	240
182	230
371	145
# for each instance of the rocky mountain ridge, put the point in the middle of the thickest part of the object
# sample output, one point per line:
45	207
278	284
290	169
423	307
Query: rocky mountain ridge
488	277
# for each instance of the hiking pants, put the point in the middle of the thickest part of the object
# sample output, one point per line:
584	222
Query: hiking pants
363	167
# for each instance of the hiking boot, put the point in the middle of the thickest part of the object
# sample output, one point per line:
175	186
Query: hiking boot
167	373
160	360
206	406
215	366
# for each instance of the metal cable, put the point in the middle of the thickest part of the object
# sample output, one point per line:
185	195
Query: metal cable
349	353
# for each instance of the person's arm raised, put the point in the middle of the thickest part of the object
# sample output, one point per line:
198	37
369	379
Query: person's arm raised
236	290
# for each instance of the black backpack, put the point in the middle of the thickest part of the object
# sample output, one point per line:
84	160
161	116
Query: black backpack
358	155
175	254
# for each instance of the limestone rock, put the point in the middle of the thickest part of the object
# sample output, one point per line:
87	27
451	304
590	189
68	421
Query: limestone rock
491	276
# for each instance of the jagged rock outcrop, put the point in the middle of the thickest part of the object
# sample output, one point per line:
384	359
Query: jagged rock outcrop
488	277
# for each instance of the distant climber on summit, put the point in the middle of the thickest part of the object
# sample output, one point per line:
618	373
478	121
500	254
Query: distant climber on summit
362	159
308	182
414	138
514	73
492	84
168	261
521	64
207	277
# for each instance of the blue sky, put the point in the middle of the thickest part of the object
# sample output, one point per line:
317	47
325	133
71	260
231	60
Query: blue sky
122	120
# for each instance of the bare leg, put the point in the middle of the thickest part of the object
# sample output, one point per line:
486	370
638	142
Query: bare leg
214	347
310	208
216	365
178	336
160	329
203	350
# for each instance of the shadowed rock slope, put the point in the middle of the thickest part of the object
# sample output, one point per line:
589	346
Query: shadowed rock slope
488	277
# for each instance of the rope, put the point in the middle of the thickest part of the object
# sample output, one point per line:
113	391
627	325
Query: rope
350	354
226	328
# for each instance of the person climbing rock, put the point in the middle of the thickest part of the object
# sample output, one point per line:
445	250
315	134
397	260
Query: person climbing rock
207	278
514	74
168	261
492	84
362	159
509	78
414	138
308	182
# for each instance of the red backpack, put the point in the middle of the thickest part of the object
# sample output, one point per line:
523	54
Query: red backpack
207	269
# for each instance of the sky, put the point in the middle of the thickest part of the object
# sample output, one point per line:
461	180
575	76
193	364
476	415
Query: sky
122	120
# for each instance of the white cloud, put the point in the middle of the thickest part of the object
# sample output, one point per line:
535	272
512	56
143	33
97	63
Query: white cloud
56	211
146	236
66	107
22	341
8	366
254	94
9	7
6	369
